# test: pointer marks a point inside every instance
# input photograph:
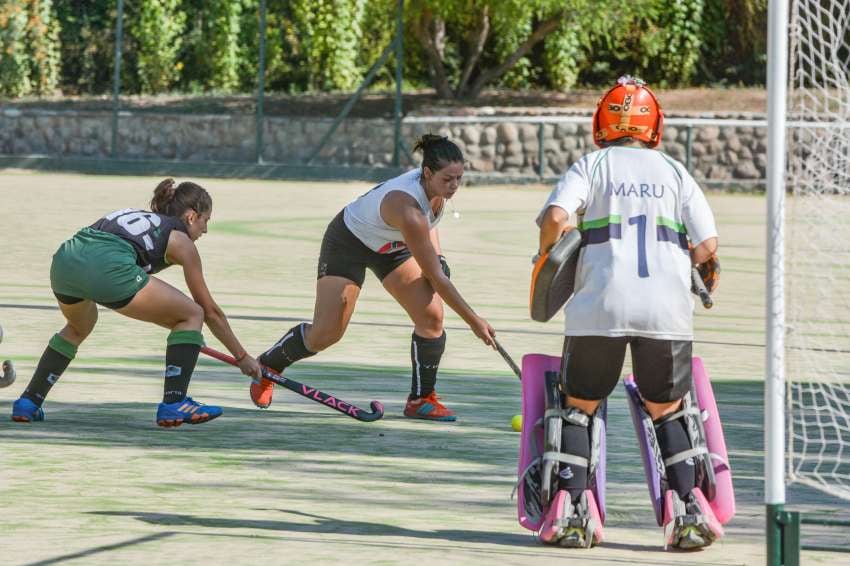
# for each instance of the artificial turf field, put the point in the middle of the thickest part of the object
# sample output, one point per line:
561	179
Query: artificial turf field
99	483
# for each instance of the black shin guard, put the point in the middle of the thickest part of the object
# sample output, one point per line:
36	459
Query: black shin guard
54	361
180	360
425	355
673	439
287	350
575	440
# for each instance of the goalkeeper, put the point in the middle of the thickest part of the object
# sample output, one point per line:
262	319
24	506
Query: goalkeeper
644	222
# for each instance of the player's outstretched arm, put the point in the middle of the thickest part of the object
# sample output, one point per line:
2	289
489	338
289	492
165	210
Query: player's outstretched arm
401	211
181	250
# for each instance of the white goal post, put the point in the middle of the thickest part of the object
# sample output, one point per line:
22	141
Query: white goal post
807	386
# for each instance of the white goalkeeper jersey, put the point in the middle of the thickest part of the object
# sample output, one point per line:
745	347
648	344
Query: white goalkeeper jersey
363	215
637	210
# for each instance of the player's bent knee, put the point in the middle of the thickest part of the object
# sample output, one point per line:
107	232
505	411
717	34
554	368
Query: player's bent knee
76	333
430	321
587	406
320	339
661	410
197	314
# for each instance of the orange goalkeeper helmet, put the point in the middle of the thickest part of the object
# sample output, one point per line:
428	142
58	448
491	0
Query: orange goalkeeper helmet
628	109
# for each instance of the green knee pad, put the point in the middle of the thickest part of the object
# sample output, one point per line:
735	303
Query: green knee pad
185	337
62	346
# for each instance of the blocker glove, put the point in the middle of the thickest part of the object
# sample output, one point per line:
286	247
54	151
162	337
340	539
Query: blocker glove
710	273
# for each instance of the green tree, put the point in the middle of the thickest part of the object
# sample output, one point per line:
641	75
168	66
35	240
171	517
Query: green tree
657	40
330	35
734	46
156	29
29	60
14	63
43	46
87	44
286	67
212	54
469	44
562	51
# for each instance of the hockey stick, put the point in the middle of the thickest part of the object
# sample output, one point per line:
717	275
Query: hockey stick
699	285
8	377
508	359
309	392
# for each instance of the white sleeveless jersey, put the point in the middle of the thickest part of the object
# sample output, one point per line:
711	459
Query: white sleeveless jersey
637	209
363	215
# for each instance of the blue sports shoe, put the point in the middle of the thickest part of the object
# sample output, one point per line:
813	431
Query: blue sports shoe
24	411
186	411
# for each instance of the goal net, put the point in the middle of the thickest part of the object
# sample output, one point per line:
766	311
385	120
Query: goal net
818	246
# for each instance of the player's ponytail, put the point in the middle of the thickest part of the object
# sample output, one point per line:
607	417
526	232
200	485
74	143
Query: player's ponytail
174	200
437	151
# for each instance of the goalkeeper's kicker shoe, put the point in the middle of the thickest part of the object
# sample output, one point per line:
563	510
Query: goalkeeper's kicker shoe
25	410
690	523
186	411
572	525
428	408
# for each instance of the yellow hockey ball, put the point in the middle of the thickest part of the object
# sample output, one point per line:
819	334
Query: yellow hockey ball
516	423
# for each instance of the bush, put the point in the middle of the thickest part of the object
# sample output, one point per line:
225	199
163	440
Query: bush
29	40
457	46
156	32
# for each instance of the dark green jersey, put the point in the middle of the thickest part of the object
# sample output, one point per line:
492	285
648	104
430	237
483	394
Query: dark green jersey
148	232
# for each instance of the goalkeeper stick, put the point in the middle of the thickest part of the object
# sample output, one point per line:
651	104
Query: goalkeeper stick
699	285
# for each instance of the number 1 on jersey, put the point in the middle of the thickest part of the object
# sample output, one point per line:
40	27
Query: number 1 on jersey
643	270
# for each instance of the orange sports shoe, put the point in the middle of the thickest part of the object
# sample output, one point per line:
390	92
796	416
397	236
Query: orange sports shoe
429	408
261	392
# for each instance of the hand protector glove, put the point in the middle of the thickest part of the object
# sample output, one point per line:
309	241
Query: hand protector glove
710	273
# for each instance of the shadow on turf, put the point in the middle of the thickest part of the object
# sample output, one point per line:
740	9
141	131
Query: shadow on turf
328	525
290	431
102	548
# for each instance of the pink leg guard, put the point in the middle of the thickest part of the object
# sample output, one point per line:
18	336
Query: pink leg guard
529	507
719	486
723	502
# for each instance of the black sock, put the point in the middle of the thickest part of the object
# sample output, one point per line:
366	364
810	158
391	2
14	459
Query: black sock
180	360
673	439
287	351
575	440
425	355
54	361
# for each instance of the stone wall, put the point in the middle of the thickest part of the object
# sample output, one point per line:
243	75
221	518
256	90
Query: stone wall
718	152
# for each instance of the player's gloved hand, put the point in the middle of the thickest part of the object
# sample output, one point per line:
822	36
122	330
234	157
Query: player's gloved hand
709	271
249	366
445	265
484	331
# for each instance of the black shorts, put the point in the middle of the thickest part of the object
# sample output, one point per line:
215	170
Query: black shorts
344	255
69	300
593	364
